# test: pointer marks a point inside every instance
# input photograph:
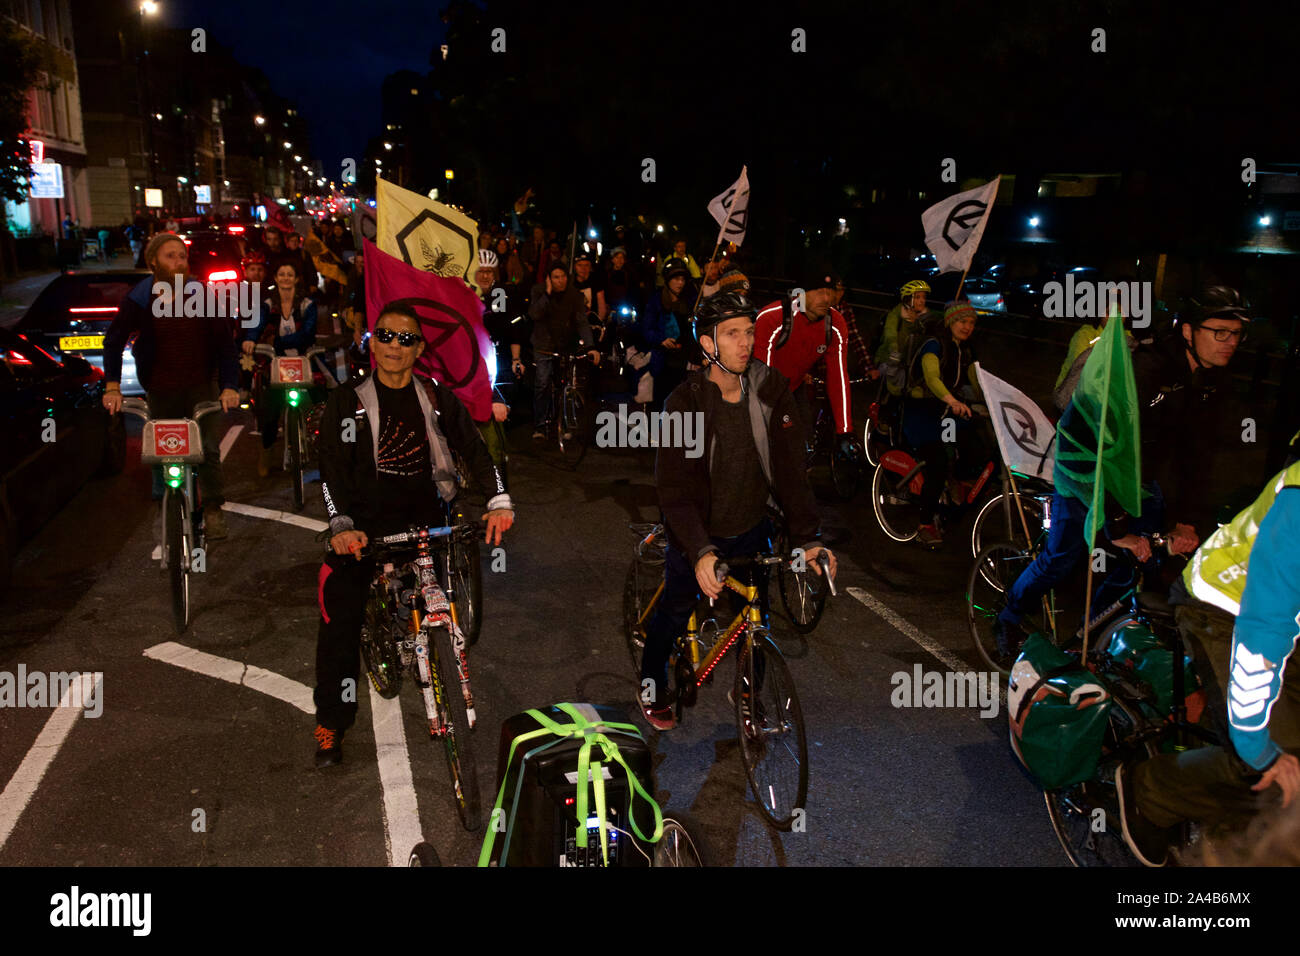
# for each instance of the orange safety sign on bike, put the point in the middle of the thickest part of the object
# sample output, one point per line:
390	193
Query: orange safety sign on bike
290	369
171	438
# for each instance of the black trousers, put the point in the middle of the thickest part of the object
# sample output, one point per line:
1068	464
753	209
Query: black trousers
341	592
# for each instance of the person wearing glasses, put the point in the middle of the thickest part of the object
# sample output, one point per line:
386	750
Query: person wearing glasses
1199	458
386	445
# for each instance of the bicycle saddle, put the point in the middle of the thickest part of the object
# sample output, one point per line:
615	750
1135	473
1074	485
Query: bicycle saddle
1155	605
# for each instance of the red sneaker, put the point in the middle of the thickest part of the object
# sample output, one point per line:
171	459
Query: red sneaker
660	718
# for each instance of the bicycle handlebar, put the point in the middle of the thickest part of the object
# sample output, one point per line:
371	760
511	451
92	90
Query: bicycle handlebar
261	348
404	540
140	408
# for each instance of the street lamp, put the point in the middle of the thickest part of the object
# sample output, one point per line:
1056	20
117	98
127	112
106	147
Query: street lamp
1033	222
388	146
259	120
288	145
1265	220
148	8
297	158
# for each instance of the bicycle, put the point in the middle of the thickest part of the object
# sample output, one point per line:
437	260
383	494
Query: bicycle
769	720
177	445
995	570
846	469
1032	501
570	416
297	378
412	625
1085	816
881	429
896	487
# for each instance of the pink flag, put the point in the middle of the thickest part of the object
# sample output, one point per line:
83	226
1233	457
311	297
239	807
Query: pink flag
456	343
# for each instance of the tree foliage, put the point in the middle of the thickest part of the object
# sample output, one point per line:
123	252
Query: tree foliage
21	61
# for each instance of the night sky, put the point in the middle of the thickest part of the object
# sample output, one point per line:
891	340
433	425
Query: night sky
328	57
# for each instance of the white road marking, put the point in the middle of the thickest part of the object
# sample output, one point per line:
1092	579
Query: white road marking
234	672
401	811
910	631
288	517
157	553
22	786
228	440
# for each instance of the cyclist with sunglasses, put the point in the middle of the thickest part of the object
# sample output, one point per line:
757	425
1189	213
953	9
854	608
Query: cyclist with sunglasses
386	446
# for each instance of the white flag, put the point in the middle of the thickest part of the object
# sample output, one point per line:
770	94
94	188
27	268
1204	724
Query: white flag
953	228
731	210
1025	435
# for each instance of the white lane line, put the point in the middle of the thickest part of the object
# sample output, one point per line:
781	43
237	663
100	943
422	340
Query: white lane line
233	672
22	786
909	630
228	440
401	811
288	517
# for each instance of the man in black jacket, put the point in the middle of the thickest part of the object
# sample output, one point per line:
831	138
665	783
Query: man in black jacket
177	356
386	448
559	314
715	504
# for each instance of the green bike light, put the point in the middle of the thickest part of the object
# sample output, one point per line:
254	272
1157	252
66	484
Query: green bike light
173	471
294	395
173	483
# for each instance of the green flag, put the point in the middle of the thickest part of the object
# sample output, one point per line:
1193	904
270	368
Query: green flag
1098	447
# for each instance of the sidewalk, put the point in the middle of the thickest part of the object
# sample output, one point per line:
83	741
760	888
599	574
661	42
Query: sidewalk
17	294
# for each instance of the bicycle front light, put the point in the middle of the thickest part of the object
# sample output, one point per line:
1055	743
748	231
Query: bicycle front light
174	475
294	396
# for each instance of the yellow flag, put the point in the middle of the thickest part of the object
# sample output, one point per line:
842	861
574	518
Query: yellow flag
425	233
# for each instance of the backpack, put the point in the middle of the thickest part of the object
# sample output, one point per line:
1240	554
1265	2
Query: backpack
787	323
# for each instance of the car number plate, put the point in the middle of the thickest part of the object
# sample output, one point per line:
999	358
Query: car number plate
72	343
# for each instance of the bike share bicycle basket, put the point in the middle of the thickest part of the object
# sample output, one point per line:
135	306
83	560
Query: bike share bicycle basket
547	814
171	441
1058	712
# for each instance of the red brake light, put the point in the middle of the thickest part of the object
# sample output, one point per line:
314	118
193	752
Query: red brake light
94	309
17	358
235	229
226	275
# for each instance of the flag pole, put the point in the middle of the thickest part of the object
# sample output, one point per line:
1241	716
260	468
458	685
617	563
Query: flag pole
962	282
700	295
1089	538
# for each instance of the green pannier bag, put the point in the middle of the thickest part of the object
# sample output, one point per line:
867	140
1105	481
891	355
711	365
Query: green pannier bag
1058	712
1136	647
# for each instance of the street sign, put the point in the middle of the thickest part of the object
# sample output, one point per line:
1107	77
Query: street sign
153	198
203	195
47	181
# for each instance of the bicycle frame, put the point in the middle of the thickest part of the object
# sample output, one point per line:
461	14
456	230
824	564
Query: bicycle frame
745	622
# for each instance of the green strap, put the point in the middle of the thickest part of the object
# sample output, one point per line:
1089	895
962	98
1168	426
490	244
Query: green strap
588	771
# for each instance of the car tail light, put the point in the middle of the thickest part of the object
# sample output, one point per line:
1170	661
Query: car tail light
96	309
235	229
15	358
999	300
225	275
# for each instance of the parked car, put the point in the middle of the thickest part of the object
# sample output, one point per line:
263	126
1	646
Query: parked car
73	312
984	295
54	434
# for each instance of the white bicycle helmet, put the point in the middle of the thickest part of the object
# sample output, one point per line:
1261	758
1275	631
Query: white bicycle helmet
487	259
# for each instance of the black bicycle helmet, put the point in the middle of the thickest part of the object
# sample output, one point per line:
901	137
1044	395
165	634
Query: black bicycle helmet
676	267
1219	302
720	307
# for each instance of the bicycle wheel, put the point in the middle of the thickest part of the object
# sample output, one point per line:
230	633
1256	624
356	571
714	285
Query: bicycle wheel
379	649
293	442
803	593
467	585
995	570
680	843
869	438
991	522
457	740
174	555
895	509
573	422
773	745
423	854
1085	816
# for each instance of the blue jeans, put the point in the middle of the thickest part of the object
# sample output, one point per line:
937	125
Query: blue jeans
682	591
1066	548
